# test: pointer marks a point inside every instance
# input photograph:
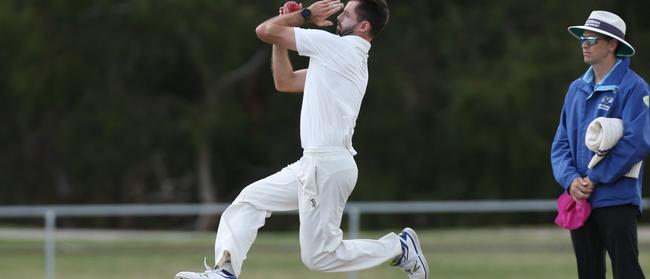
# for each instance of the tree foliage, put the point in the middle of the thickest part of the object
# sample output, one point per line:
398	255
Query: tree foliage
172	101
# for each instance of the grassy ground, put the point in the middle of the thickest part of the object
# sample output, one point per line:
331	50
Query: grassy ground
467	253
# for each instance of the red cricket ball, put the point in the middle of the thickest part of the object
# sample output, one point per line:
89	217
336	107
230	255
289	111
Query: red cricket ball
291	6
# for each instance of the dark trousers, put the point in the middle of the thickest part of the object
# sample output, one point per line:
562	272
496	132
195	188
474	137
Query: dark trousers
611	229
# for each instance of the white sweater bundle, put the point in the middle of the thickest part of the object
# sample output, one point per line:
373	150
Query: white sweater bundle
602	135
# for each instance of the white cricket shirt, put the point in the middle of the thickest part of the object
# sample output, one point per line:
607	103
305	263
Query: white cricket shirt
336	81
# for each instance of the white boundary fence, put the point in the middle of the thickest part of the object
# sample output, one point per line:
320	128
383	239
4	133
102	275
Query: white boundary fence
354	210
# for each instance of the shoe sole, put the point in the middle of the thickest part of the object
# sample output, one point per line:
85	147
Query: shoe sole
420	253
183	276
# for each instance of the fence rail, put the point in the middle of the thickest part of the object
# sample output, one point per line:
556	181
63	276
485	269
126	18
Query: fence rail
218	208
354	210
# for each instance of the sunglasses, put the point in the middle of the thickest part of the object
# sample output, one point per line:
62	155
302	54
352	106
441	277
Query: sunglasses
590	40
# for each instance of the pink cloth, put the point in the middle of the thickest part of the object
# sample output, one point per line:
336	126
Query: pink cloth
571	214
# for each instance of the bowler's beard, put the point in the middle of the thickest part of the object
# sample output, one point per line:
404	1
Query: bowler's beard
345	31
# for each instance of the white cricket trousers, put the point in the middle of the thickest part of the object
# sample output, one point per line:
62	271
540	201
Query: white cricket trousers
318	186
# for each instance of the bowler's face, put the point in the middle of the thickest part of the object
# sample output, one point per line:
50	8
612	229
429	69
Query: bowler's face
348	19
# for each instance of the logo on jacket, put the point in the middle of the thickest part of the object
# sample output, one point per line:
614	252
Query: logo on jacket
606	103
646	100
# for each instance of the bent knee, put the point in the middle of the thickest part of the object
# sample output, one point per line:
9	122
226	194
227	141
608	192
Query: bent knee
313	263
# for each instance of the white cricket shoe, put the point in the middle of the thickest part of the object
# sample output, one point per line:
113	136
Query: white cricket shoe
210	273
412	260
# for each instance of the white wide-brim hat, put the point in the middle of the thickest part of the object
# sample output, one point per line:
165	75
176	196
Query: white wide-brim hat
605	23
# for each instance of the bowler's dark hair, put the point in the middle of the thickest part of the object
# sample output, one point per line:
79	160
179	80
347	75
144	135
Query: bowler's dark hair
374	11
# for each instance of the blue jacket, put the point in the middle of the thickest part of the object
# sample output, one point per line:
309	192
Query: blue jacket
622	94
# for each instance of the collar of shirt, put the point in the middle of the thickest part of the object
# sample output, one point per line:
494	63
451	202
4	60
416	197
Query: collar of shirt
610	82
360	42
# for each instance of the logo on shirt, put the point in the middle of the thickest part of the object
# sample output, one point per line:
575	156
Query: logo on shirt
646	100
606	103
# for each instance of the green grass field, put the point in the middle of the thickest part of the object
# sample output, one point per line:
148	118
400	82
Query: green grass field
455	253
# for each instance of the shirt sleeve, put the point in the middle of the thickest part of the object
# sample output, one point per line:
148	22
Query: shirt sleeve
562	161
316	43
635	143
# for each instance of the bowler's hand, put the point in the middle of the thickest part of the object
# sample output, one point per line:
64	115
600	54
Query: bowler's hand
322	10
283	11
581	188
